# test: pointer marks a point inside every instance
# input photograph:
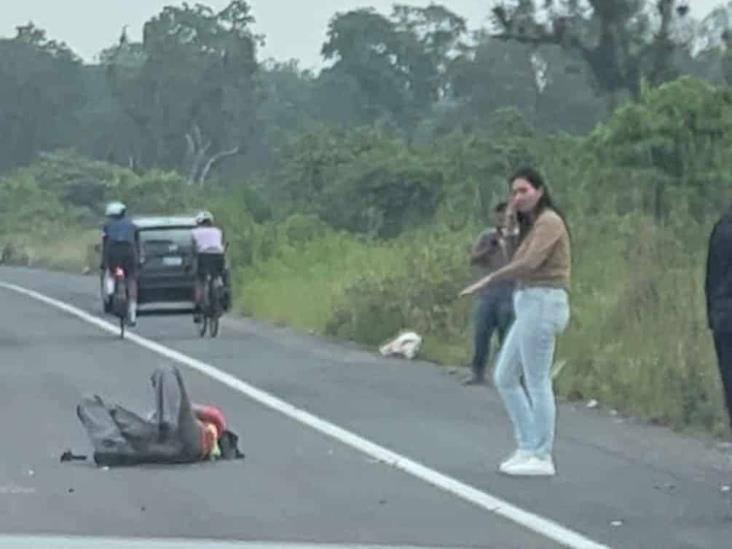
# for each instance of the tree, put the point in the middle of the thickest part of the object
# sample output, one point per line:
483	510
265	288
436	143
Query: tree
492	75
672	145
623	42
547	84
359	180
712	45
440	33
397	64
189	87
41	88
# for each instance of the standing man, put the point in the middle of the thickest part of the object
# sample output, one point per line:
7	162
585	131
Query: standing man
493	309
718	289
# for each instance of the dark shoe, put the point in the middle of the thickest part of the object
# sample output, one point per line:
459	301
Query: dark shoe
197	318
473	380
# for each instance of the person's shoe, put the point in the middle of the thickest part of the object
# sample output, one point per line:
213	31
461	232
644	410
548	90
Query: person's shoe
517	457
474	380
197	318
533	466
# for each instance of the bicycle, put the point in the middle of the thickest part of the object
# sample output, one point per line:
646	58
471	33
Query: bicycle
211	306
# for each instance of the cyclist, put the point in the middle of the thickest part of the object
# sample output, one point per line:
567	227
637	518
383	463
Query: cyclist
120	243
208	242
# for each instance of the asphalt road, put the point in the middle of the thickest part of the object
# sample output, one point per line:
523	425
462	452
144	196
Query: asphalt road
620	484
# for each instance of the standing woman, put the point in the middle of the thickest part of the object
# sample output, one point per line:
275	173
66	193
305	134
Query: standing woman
541	271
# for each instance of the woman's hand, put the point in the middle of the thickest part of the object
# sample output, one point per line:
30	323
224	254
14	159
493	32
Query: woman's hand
475	287
468	291
510	220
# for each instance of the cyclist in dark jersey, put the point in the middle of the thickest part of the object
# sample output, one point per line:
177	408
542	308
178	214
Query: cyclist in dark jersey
120	245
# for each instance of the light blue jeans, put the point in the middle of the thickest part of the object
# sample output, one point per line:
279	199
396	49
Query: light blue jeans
541	315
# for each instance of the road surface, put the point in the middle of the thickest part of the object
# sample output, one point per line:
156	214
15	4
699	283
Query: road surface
620	484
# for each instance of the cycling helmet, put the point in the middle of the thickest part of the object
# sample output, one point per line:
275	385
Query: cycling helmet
203	217
115	208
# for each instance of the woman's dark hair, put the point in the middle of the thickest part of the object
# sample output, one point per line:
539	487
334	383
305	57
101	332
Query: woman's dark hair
545	202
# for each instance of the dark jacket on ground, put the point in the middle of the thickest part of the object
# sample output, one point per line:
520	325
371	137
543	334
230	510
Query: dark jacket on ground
170	433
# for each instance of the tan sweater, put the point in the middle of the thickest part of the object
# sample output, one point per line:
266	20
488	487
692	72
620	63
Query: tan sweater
543	259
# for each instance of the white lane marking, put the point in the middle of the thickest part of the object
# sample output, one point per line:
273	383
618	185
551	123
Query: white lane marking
540	525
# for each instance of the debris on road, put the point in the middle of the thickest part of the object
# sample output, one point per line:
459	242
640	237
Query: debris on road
406	344
725	488
592	403
616	523
68	455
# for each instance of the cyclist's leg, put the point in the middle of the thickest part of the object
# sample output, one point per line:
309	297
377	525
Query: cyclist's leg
207	263
214	266
115	260
198	283
131	280
106	286
132	297
218	280
108	266
226	291
198	291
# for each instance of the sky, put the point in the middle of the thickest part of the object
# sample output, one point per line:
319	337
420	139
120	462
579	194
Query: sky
293	29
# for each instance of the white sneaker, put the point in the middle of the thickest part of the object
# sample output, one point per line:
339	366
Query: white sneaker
532	467
518	456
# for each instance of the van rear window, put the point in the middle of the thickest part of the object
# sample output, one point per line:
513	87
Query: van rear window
161	241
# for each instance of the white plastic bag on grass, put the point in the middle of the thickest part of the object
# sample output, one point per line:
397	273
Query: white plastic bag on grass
406	344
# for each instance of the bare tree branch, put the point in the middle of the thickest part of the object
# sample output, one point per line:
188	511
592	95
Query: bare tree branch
214	160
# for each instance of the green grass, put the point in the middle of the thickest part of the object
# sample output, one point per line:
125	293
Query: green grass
68	250
301	285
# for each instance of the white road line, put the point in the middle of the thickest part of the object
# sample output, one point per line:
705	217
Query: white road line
545	527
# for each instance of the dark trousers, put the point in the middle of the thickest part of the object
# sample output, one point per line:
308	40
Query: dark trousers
723	345
493	312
